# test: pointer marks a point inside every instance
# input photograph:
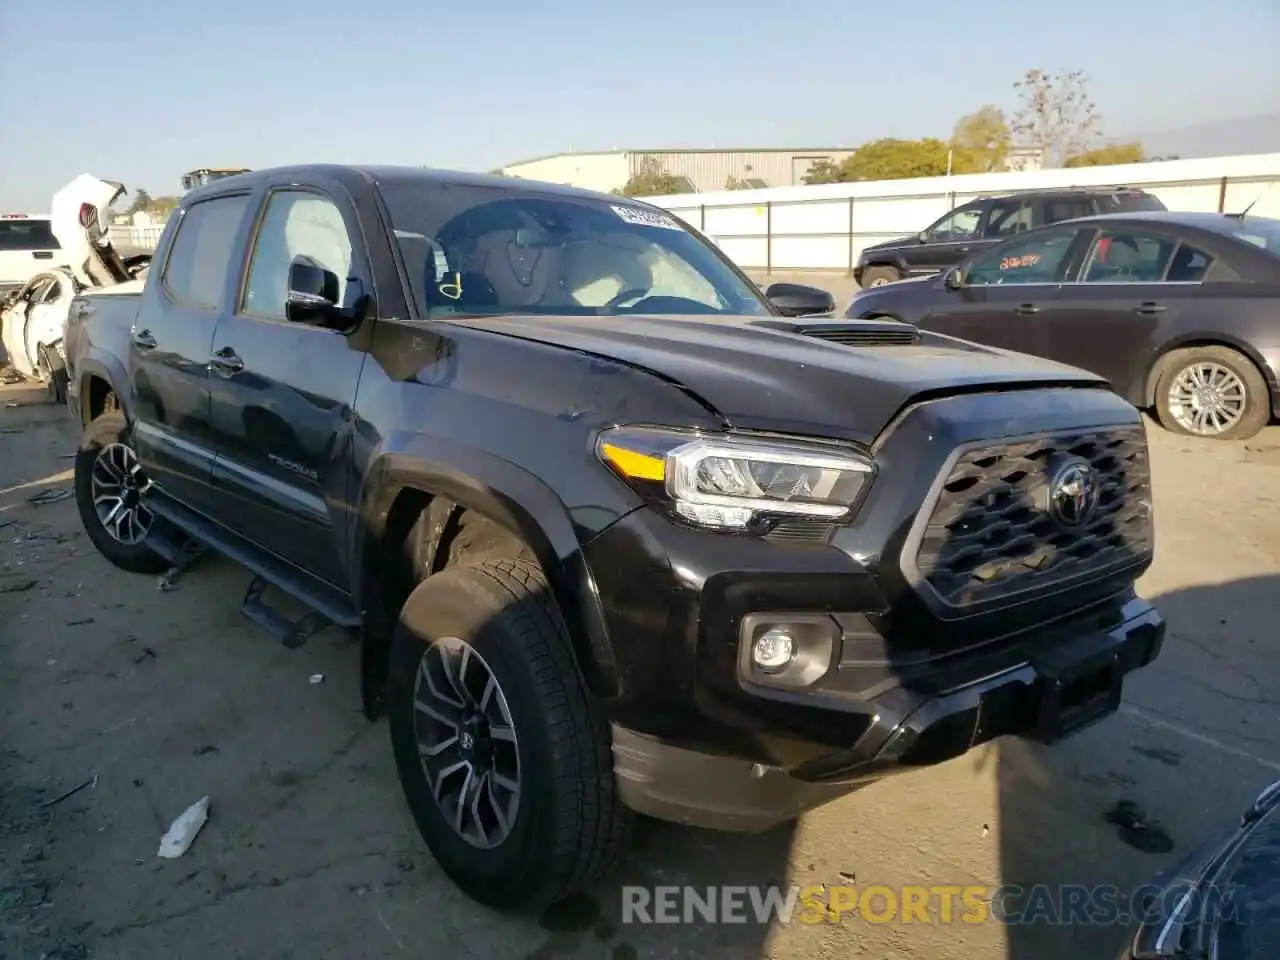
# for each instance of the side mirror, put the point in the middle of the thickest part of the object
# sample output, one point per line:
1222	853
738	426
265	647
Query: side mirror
953	279
313	294
798	300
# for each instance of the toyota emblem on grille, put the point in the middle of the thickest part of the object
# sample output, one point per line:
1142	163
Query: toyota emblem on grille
1073	494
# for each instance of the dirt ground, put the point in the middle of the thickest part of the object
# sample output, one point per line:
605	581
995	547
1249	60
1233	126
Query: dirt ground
152	699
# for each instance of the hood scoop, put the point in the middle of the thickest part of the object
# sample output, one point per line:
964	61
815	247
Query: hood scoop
864	333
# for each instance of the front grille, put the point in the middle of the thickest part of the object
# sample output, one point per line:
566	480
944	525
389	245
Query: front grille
873	337
991	533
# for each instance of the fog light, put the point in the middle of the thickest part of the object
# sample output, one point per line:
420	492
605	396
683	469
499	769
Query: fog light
773	650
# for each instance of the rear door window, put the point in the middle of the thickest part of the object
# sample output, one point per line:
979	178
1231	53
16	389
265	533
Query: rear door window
1128	256
1055	211
1007	218
28	233
195	273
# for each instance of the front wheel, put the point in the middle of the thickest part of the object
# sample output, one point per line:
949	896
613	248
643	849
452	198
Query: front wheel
1212	392
879	276
504	756
111	494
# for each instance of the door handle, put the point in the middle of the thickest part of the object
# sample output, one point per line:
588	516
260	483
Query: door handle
1026	309
43	254
143	340
1149	307
226	362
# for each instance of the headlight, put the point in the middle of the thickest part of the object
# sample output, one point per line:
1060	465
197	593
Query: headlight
730	482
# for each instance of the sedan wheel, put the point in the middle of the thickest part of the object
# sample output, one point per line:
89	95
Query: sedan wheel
1213	392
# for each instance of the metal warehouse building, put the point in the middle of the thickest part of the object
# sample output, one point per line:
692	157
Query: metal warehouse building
704	170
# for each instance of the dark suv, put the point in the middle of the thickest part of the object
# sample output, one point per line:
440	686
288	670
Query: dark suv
615	531
987	221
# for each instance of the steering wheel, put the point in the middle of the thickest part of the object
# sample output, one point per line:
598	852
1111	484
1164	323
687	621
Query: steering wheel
619	299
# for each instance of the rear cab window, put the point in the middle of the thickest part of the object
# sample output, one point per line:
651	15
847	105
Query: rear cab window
27	233
195	272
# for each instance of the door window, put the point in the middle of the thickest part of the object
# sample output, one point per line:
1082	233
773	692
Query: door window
960	224
1007	218
1032	259
195	273
1189	265
1055	211
1128	256
296	223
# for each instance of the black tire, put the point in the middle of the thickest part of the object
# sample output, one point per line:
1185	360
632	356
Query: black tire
878	276
110	428
570	826
1257	410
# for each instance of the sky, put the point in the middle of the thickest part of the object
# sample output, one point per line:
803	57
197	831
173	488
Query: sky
142	91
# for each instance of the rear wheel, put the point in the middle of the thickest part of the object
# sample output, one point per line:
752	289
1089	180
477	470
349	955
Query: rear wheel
503	755
879	276
111	495
1212	392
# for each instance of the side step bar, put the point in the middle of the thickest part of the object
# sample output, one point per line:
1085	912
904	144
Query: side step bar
291	633
327	604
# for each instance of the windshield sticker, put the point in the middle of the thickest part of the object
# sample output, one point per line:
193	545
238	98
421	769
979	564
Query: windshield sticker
452	290
645	218
1017	263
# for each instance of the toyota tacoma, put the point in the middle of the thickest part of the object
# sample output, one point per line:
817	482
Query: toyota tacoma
616	531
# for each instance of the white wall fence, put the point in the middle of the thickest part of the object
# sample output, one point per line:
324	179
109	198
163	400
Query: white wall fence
826	227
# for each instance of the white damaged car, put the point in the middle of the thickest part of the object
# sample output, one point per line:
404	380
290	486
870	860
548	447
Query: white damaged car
33	317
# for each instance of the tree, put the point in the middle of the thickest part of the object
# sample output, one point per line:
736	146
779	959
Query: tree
141	201
652	180
980	141
1112	153
733	183
823	171
891	159
1057	115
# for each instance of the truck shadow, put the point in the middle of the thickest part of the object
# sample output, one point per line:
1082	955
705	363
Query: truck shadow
1101	814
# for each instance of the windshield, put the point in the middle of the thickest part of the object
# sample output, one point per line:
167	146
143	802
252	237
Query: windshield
27	234
1258	231
488	250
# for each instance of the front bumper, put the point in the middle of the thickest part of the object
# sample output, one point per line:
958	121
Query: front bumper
898	678
1058	689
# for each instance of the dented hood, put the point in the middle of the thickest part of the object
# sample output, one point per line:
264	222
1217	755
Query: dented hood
768	373
73	234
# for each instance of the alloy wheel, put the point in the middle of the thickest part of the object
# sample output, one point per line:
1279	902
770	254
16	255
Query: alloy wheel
467	742
1207	398
120	489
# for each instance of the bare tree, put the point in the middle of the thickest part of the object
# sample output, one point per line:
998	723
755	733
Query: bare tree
1057	116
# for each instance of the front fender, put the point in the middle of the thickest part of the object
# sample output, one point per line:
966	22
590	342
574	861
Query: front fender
513	497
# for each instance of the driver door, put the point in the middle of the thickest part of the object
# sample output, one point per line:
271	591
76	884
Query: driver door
1007	287
948	241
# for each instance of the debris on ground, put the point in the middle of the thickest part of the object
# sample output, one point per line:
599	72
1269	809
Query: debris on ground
21	586
317	678
91	782
80	623
48	495
182	831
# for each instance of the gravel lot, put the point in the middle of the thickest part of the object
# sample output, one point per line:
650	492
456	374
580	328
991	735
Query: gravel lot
155	699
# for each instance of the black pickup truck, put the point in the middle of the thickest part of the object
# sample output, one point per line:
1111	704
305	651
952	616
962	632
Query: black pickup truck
616	531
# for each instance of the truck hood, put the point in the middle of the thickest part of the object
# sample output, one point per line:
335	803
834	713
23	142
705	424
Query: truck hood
771	373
